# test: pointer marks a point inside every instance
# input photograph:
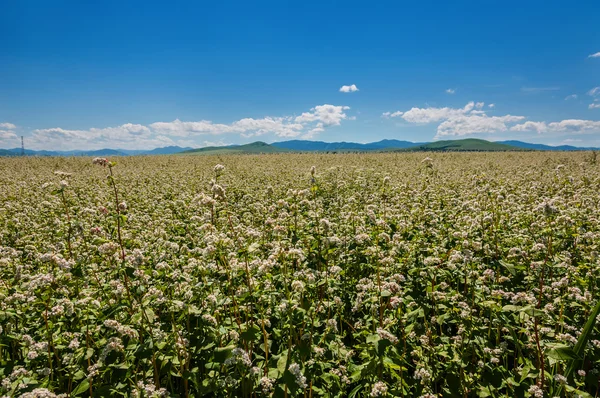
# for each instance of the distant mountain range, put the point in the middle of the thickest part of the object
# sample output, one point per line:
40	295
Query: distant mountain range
469	144
542	147
169	150
255	147
299	145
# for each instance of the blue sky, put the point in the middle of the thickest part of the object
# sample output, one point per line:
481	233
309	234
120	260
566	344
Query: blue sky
127	74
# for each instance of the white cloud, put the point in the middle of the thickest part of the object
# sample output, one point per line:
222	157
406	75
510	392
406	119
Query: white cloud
8	138
450	91
387	115
538	127
247	127
126	133
177	132
470	119
595	105
575	126
430	115
123	136
321	115
473	124
59	133
315	131
571	97
329	115
7	135
348	89
177	128
572	126
491	106
594	92
279	126
214	143
595	55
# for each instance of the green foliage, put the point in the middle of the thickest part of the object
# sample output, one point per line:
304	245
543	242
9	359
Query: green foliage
467	144
253	148
368	275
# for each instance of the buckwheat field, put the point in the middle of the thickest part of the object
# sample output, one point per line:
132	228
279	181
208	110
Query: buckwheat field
340	275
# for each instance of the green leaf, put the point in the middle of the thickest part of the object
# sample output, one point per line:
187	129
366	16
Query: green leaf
581	343
251	333
357	373
484	392
381	345
373	338
290	381
355	391
512	382
577	392
511	268
273	373
388	363
150	315
282	362
222	353
531	311
81	388
561	352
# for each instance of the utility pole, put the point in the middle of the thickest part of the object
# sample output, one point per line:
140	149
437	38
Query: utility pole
22	147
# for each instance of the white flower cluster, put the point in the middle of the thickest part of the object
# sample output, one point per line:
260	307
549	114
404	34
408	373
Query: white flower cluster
295	370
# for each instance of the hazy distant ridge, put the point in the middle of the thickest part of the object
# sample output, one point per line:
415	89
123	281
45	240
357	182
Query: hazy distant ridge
468	144
169	150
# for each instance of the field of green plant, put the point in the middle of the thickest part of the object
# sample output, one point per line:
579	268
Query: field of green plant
288	275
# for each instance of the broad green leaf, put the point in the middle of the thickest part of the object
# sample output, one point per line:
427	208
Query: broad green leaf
561	352
355	391
81	388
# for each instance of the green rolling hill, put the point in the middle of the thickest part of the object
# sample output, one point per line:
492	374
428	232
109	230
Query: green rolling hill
258	147
253	148
469	144
461	145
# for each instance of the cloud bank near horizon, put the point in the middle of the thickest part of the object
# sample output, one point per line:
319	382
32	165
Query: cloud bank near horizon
474	119
184	133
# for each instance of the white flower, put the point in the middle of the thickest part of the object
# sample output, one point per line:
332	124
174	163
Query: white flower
536	391
379	389
384	334
100	161
239	356
297	372
266	384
